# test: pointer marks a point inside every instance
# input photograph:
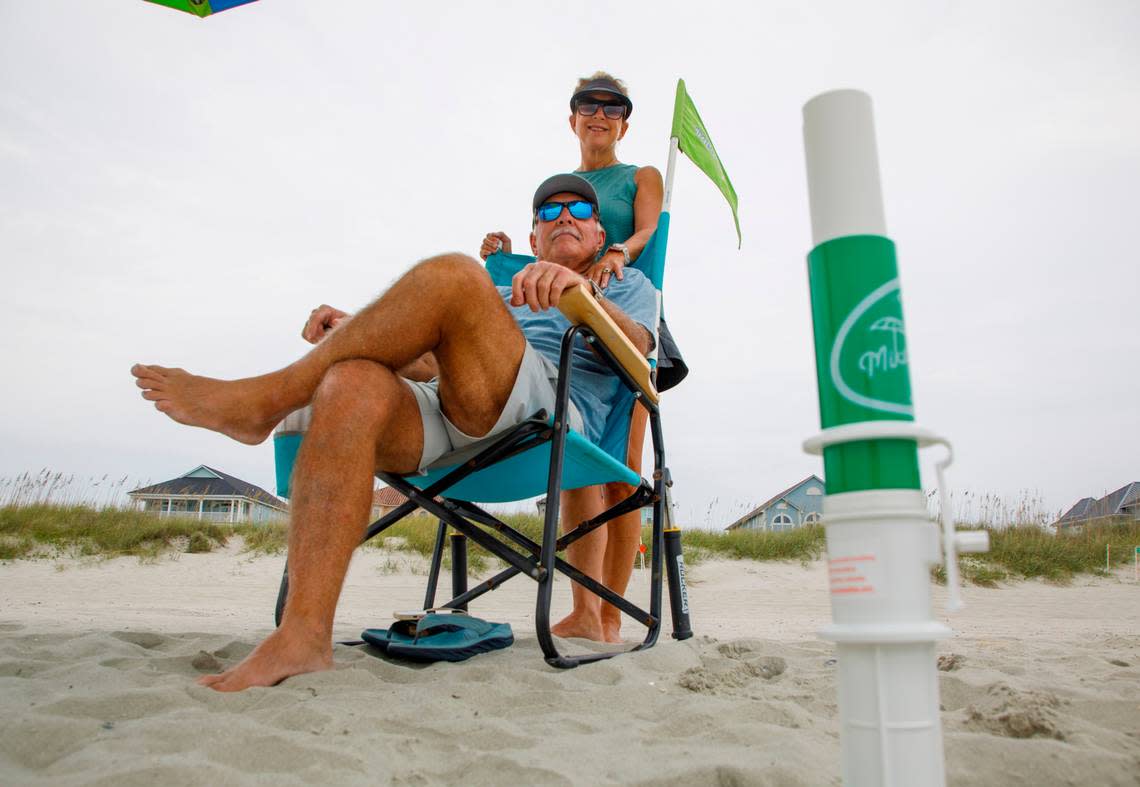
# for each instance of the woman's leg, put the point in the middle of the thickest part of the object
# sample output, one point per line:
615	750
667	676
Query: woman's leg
586	554
624	535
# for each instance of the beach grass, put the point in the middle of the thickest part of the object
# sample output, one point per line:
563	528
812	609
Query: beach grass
803	544
1018	552
1031	552
83	531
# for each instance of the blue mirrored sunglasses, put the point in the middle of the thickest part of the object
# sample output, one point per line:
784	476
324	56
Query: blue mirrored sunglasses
579	209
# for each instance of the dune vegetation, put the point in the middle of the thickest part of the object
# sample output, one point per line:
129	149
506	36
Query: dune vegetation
43	516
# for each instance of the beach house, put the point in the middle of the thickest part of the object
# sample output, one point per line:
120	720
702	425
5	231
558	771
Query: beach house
798	505
1124	502
211	495
384	500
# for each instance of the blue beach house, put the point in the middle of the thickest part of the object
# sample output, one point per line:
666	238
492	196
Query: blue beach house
798	505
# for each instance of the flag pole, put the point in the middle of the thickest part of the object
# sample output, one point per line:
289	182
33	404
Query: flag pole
669	170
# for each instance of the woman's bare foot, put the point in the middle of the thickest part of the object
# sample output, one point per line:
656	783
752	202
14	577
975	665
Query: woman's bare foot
281	655
611	625
242	409
585	625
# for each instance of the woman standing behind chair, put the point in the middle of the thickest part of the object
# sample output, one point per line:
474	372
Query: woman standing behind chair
630	200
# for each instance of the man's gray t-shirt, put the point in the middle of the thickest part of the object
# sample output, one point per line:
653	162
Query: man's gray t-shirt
593	387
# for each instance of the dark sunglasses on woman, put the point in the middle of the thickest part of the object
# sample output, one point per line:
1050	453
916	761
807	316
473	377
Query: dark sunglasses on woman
614	110
579	209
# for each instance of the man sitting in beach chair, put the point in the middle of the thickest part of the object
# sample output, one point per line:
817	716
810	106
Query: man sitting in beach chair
494	354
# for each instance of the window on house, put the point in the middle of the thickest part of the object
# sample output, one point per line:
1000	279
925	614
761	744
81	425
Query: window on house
811	519
781	522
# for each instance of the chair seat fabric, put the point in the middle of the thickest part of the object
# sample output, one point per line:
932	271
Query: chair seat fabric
525	475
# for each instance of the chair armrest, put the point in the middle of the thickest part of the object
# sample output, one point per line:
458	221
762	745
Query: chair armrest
581	308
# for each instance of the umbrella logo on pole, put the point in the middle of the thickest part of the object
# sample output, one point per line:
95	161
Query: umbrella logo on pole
883	358
861	363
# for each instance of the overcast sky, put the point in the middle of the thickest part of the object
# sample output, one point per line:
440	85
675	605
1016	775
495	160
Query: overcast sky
184	191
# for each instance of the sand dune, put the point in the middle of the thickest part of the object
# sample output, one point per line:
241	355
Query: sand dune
1042	686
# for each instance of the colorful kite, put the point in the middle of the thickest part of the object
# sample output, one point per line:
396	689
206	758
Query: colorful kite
201	7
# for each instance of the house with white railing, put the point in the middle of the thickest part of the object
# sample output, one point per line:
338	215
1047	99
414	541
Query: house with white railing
798	505
210	495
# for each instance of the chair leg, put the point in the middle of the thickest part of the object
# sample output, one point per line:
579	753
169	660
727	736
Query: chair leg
282	594
549	546
458	567
436	562
675	572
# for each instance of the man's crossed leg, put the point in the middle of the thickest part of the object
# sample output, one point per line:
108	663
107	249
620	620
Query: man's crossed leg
365	418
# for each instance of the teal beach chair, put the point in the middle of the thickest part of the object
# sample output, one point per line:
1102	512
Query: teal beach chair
543	456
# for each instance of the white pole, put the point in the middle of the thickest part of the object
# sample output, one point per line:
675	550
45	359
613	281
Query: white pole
670	168
880	542
845	195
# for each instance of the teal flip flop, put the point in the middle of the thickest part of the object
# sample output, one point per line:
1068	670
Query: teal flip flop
440	637
404	629
400	631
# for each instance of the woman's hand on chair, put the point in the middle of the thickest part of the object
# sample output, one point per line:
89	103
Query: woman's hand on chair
322	320
493	242
612	264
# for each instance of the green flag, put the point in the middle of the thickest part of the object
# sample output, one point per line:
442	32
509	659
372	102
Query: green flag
694	141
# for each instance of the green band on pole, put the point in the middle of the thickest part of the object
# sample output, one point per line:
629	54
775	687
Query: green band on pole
861	360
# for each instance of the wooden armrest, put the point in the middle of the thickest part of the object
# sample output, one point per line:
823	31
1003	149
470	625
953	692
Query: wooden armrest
581	308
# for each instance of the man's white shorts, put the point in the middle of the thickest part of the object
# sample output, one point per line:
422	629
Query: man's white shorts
534	390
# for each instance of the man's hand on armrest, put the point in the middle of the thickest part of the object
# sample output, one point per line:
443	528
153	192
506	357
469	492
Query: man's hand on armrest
541	283
540	286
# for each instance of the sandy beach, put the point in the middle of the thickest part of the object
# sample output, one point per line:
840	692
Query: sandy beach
1041	685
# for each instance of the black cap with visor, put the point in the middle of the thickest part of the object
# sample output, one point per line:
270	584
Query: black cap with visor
568	184
601	86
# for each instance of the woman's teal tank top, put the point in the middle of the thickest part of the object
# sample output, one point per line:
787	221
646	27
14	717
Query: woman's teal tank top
616	192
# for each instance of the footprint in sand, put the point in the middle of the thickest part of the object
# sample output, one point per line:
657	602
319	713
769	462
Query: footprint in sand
206	662
144	639
1009	713
950	662
735	666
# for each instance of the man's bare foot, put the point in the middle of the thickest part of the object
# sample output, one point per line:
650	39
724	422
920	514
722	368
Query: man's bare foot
281	655
241	409
579	624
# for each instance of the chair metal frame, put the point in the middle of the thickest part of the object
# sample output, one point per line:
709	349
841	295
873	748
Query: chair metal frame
540	561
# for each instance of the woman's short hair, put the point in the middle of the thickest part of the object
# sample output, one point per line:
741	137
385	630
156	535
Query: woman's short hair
602	75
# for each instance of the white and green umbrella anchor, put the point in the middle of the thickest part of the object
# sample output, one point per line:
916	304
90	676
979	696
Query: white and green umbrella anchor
881	541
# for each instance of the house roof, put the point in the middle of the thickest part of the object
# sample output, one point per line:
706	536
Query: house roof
1112	504
208	481
387	496
774	499
1080	509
